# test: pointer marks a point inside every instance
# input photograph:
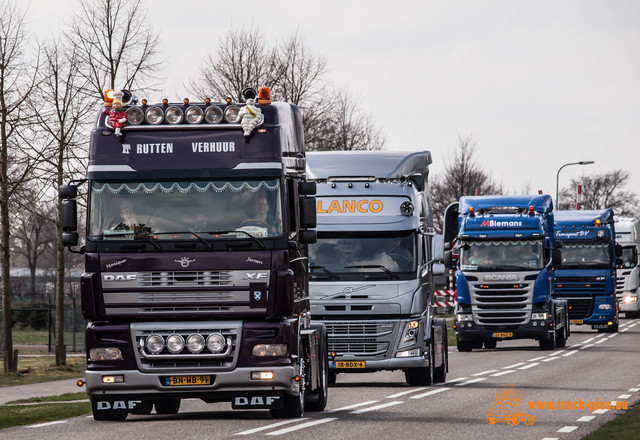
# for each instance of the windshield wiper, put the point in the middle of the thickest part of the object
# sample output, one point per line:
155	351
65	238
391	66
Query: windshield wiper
150	240
202	240
325	270
252	237
374	266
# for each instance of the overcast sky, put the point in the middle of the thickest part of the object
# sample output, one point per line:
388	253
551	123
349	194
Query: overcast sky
537	83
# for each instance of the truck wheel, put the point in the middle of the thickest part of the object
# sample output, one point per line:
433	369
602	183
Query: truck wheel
333	377
464	346
561	338
293	405
548	344
440	373
423	375
317	400
167	406
490	344
107	416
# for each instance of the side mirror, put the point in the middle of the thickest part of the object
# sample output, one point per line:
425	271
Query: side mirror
437	247
307	188
448	260
558	244
68	191
308	236
618	250
70	239
69	216
418	180
438	269
308	218
556	258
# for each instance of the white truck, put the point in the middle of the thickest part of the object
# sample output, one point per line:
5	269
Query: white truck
371	270
628	274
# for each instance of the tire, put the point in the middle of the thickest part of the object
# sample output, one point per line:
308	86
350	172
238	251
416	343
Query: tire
333	377
440	373
293	405
317	400
490	344
421	376
464	346
167	406
102	416
548	344
561	337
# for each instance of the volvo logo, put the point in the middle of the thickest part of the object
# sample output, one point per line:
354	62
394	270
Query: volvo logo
184	261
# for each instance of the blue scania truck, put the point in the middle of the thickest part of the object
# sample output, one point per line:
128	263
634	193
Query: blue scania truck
505	272
586	278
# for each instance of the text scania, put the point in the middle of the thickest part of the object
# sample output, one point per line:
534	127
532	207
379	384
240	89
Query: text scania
351	206
498	224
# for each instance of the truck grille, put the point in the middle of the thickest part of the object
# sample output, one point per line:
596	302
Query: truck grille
184	279
185	359
579	308
621	280
360	338
580	285
501	303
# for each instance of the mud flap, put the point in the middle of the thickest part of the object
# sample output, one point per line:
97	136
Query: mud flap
120	404
257	401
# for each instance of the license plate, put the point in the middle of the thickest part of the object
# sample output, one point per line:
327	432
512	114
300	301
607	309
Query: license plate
600	326
187	380
576	321
502	335
348	364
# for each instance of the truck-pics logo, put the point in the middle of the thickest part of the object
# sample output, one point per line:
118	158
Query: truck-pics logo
500	224
507	408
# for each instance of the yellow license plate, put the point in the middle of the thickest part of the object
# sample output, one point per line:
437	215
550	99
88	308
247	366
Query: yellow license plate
576	321
348	364
187	380
503	335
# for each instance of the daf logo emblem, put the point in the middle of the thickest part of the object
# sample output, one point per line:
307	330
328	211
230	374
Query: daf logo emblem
184	261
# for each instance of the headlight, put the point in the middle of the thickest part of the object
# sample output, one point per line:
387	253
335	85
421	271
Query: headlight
154	343
539	316
154	115
604	307
630	299
213	114
105	354
462	317
269	350
135	116
231	114
175	343
215	343
194	115
195	343
410	334
174	115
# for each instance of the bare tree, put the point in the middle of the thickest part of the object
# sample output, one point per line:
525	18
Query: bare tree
116	46
601	191
17	81
62	113
462	176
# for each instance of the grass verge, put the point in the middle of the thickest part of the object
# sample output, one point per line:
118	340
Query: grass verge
624	427
18	415
36	369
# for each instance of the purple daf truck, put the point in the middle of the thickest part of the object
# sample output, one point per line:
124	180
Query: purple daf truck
196	270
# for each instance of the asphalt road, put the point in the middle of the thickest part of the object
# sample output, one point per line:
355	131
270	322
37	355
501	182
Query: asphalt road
594	368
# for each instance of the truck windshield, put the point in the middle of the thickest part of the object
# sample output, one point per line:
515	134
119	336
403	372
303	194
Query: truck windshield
629	257
185	209
501	255
593	255
351	252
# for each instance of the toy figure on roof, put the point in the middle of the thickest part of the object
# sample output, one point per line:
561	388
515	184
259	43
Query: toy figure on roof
117	116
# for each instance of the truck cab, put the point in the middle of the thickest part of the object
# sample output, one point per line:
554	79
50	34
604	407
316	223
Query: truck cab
628	273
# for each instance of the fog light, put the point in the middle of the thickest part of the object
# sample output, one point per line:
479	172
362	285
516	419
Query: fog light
213	114
113	379
195	343
135	116
604	307
262	375
408	353
105	354
215	343
174	115
154	343
231	114
175	343
154	115
194	115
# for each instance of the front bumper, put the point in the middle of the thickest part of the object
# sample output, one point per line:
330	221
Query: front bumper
470	331
380	365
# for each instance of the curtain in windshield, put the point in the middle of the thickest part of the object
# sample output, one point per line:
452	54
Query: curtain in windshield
502	255
585	254
125	210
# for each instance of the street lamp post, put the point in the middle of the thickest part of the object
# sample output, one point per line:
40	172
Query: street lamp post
583	162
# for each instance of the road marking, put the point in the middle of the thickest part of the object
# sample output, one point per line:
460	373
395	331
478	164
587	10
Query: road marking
600	336
586	419
484	372
460	379
355	405
526	367
601	341
404	393
374	408
568	429
586	346
634	390
302	426
513	366
624	330
612	336
273	425
588	340
624	396
536	359
599	411
480	379
569	353
502	373
550	359
40	425
551	438
429	393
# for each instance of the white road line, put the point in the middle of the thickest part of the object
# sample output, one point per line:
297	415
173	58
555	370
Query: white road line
600	336
569	353
273	425
634	390
550	359
513	366
599	411
429	393
625	329
551	438
624	396
40	425
601	341
355	405
484	372
588	340
586	419
374	408
302	426
536	359
586	346
612	336
460	379
404	393
556	353
480	379
502	373
568	429
526	367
